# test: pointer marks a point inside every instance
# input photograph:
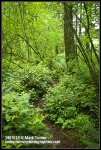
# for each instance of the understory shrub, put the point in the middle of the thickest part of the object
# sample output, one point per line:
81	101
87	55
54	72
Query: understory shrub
59	66
79	67
71	92
21	119
56	64
73	104
37	79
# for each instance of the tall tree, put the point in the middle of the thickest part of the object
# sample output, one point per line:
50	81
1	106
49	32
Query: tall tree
68	33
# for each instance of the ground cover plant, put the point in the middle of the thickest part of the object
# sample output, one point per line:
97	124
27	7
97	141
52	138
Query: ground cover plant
50	74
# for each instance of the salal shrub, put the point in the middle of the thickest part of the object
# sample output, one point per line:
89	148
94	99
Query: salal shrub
11	82
20	118
37	79
84	126
71	92
34	96
12	85
56	64
59	66
73	104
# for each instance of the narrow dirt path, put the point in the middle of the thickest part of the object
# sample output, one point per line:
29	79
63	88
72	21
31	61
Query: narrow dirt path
56	131
58	134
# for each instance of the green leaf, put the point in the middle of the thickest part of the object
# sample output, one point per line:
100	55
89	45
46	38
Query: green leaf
6	127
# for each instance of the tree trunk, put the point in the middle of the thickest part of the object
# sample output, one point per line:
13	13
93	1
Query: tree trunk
80	18
68	33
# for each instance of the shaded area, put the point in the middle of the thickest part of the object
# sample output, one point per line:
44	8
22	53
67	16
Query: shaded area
58	134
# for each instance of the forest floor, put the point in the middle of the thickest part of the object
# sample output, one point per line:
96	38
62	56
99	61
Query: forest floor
70	141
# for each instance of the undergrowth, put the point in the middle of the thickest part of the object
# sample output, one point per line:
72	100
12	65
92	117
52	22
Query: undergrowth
19	116
74	104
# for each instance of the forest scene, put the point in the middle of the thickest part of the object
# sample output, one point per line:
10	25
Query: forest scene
50	74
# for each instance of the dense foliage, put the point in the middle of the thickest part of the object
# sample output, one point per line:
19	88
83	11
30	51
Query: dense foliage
17	113
74	104
46	57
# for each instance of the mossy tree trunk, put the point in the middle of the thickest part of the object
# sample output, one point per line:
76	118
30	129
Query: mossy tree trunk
68	33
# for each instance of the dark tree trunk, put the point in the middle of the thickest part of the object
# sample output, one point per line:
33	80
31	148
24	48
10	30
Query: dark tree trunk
68	33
